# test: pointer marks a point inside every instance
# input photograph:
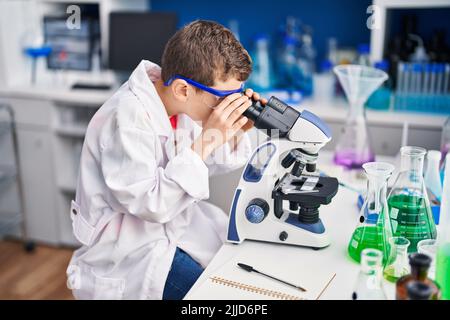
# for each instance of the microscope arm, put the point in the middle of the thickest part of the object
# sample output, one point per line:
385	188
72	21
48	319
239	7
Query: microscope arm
278	119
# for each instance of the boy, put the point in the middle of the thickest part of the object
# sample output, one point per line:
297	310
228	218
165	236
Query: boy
146	234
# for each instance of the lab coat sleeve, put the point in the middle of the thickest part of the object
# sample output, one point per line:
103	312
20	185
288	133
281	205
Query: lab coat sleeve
224	160
146	189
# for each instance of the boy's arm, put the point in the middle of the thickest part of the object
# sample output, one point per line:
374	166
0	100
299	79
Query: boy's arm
144	188
230	156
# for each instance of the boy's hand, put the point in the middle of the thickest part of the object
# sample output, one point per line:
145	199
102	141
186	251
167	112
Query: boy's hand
224	122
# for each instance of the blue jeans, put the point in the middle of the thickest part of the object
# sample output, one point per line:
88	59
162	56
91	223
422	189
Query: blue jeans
182	276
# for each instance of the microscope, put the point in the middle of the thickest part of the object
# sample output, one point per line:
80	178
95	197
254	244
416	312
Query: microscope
280	191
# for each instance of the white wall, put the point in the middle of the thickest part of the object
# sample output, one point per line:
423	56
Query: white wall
17	18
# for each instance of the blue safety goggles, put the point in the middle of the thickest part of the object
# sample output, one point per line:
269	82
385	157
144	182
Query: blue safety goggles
218	93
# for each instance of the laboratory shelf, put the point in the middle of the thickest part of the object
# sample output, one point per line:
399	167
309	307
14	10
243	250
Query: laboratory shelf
337	109
61	96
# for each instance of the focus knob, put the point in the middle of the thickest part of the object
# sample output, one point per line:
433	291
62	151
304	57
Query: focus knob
283	236
257	210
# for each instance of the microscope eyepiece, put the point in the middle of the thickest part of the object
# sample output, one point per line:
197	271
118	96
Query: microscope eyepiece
254	111
276	117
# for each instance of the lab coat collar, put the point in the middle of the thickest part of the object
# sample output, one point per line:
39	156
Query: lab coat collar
141	84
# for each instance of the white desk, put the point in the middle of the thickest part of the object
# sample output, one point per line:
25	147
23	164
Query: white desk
340	218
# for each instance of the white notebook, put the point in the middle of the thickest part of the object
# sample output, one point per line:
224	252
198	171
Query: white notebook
230	282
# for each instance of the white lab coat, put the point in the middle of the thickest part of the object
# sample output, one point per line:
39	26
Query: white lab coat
139	196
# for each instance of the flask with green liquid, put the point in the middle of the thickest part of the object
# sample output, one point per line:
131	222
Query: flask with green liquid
373	229
443	240
409	207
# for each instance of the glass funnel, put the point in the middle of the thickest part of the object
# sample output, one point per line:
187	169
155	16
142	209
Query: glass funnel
397	265
409	207
359	82
373	229
369	285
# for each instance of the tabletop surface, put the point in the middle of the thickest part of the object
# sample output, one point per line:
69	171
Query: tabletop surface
340	218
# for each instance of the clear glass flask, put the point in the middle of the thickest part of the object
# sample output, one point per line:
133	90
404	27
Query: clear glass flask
409	207
429	248
397	265
369	285
445	146
445	140
373	229
354	145
432	174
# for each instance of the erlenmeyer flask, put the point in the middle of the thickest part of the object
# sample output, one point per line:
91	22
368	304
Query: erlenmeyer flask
369	285
359	82
374	229
409	207
397	265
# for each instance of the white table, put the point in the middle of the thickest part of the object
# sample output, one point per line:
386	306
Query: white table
340	218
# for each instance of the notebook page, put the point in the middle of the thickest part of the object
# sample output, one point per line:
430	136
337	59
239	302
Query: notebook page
232	282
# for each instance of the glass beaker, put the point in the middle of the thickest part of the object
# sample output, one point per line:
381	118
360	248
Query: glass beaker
374	228
354	145
429	247
397	264
369	285
409	207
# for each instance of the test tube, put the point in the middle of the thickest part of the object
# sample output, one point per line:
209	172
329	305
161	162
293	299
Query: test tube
433	79
416	81
439	77
446	98
407	75
446	78
400	77
440	87
399	87
407	87
426	78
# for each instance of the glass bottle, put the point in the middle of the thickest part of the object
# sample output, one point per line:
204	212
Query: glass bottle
354	145
443	241
261	76
397	264
420	264
363	54
419	291
409	207
306	57
369	284
373	229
